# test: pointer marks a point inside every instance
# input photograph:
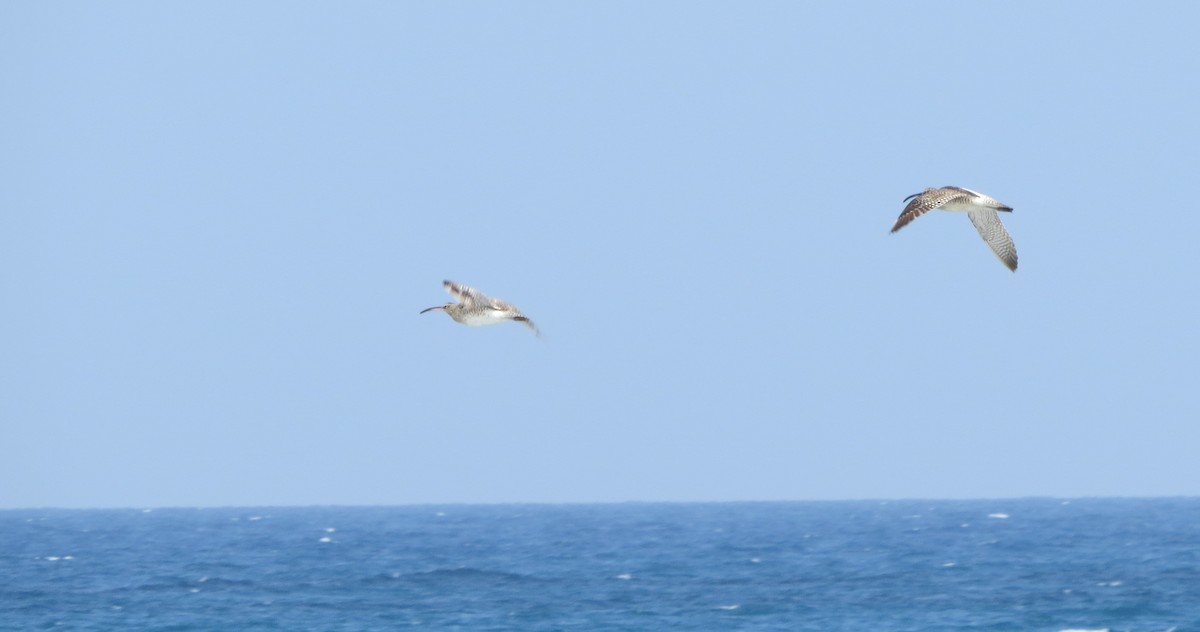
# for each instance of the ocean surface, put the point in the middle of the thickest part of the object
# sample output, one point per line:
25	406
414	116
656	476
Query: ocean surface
1031	564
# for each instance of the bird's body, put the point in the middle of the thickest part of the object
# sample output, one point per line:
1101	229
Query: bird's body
474	308
981	209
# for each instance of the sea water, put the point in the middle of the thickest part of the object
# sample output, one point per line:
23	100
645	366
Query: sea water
1032	564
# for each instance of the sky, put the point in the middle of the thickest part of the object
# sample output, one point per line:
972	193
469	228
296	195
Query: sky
219	221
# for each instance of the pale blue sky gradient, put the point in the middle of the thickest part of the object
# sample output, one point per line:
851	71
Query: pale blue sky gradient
218	221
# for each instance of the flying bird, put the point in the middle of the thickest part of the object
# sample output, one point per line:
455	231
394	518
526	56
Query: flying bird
476	308
981	209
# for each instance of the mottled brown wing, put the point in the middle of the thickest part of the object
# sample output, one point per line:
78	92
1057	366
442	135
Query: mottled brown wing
928	201
465	294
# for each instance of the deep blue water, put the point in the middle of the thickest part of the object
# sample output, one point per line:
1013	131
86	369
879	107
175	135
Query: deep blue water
1036	564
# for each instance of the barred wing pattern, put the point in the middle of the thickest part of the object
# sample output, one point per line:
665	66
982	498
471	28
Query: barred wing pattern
929	200
987	222
467	295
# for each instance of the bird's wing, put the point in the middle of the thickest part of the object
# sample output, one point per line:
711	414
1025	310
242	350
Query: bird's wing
499	305
980	199
524	320
969	192
987	222
465	294
929	200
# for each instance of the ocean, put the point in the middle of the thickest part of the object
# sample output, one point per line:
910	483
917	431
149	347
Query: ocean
1029	564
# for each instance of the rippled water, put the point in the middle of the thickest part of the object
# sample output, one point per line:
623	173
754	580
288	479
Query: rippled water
1037	564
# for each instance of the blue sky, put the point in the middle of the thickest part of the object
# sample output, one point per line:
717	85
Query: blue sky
219	220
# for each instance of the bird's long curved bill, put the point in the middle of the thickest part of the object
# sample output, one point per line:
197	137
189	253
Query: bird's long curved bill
430	309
